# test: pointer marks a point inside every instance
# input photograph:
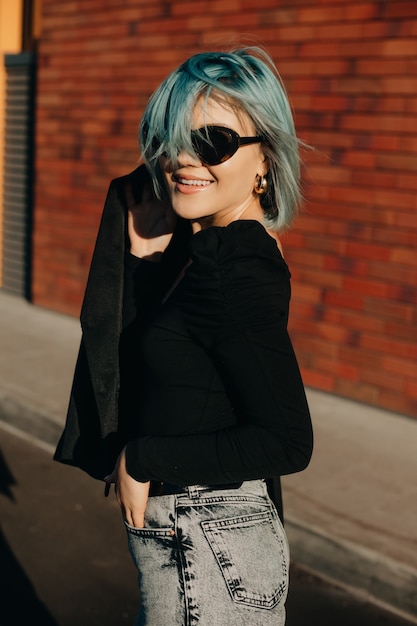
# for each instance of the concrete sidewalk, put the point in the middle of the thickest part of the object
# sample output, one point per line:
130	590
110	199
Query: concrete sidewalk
351	516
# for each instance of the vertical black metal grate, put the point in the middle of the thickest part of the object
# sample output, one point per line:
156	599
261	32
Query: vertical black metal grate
18	173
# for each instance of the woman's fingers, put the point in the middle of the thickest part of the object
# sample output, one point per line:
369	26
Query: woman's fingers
133	508
137	520
109	480
132	495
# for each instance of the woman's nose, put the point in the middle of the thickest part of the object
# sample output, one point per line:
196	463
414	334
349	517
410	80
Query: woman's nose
186	158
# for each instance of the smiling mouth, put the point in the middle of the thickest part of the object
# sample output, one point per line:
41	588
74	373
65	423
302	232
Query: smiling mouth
192	182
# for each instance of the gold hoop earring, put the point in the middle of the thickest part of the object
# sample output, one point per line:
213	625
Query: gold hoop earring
261	184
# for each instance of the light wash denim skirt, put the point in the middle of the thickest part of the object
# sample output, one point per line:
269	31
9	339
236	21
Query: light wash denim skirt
211	557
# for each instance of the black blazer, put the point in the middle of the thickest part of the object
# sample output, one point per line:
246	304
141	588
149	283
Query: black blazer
93	435
91	439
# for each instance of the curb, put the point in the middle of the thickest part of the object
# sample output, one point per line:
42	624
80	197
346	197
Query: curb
366	573
26	419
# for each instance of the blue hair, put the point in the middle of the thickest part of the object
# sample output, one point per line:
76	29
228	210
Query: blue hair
246	79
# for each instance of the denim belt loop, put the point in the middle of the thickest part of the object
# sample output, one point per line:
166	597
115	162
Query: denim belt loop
194	491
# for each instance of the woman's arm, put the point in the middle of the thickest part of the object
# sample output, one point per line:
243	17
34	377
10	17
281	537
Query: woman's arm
272	436
150	226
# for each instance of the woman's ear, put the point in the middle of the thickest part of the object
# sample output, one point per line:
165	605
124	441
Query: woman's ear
264	166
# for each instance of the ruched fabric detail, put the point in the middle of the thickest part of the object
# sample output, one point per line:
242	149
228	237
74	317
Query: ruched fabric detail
222	398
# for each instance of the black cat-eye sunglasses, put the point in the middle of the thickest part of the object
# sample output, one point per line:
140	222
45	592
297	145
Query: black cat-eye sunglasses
217	144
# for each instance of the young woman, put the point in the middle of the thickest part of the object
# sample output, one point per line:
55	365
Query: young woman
187	383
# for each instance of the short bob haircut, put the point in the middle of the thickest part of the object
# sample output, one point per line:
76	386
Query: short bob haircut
247	80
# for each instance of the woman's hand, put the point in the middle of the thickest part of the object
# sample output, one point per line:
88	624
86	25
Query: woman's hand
151	223
132	495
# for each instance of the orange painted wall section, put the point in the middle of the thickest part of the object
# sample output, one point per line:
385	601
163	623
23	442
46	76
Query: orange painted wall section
350	68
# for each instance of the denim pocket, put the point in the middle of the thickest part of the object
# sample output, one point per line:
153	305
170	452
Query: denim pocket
251	551
150	547
149	531
155	555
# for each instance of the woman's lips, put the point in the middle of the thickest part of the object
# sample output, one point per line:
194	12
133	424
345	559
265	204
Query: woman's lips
190	185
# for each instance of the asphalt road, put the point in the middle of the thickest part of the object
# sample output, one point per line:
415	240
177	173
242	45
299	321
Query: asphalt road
64	559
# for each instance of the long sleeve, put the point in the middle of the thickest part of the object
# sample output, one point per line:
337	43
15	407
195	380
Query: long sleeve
234	300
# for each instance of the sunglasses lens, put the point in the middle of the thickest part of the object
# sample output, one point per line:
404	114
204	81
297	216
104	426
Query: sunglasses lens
214	145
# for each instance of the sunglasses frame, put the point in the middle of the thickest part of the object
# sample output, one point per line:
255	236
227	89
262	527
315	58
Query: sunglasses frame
237	141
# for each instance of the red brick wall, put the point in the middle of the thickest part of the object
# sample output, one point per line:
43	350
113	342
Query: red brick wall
350	67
